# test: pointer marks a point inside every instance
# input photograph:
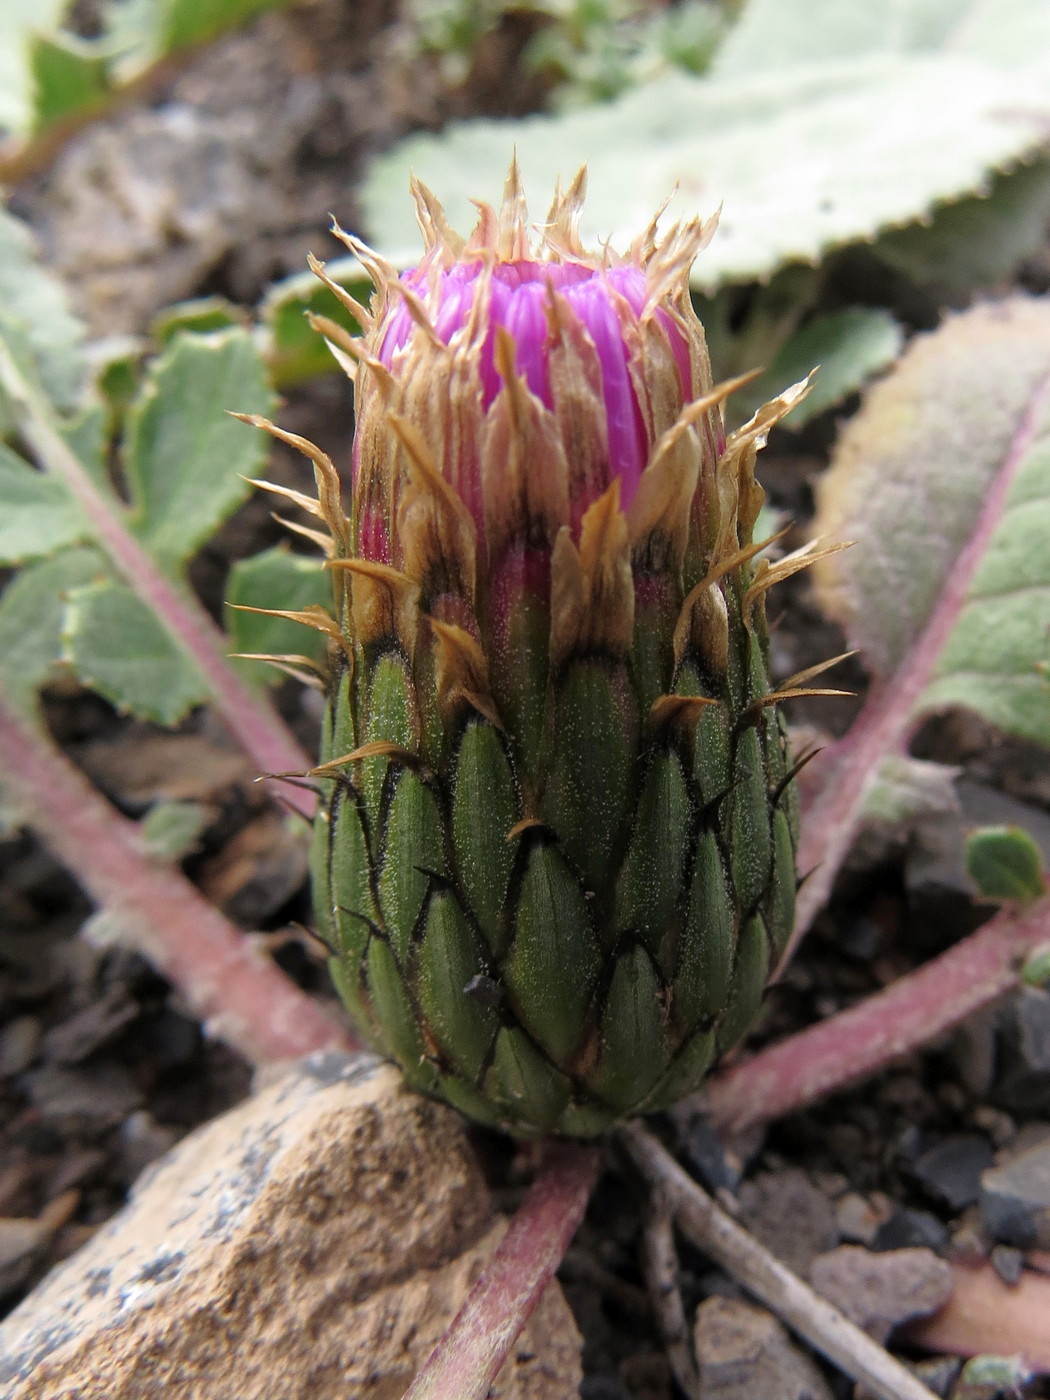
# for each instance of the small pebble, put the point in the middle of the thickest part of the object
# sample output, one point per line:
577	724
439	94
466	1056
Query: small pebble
743	1353
703	1150
1008	1263
880	1291
22	1245
908	1229
74	1040
98	1097
951	1170
790	1216
19	1042
1015	1199
857	1218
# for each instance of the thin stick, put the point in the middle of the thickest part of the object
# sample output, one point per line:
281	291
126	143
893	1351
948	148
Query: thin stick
240	995
766	1278
845	1048
660	1265
465	1362
251	718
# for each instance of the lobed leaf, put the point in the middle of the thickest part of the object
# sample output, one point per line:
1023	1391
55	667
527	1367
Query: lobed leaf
847	347
1005	864
18	20
294	349
867	117
37	514
975	242
69	74
32	610
119	648
275	578
186	459
34	304
949	461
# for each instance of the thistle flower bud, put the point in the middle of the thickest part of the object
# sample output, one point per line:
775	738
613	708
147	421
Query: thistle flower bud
555	857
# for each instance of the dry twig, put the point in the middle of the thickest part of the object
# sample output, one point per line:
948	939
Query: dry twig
766	1278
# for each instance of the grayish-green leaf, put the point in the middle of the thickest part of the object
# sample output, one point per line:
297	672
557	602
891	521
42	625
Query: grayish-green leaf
117	647
293	350
69	76
200	315
849	347
276	578
870	116
771	34
32	609
1005	864
975	242
37	513
36	302
19	21
950	457
196	21
907	789
171	830
186	458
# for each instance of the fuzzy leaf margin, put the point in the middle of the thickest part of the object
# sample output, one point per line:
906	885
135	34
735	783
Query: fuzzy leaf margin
848	130
943	483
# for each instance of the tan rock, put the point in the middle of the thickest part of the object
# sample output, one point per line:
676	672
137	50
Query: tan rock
879	1291
313	1242
743	1353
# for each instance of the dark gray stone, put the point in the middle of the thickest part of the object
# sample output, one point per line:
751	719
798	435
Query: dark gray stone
1015	1199
907	1229
951	1170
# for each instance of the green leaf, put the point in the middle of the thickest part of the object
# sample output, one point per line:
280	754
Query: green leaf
36	303
196	21
870	115
849	346
200	315
295	352
69	76
37	514
276	578
185	457
772	34
19	21
1005	864
32	609
975	242
117	647
171	830
906	790
949	458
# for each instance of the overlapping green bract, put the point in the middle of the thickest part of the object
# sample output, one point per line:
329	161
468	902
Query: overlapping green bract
557	975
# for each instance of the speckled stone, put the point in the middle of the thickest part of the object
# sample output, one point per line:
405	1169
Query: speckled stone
312	1243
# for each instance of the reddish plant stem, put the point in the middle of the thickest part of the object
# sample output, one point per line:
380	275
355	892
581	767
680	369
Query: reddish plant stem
465	1362
886	721
858	1042
251	718
228	984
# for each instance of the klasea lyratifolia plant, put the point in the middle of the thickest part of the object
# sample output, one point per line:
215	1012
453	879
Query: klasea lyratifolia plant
555	857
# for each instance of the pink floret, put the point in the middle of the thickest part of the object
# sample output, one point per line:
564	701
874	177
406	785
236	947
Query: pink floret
518	303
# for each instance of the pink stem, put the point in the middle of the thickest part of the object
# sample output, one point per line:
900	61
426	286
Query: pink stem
464	1363
858	1042
885	723
237	992
252	720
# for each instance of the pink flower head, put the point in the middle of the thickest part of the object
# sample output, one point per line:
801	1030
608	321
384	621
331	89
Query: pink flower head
531	378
